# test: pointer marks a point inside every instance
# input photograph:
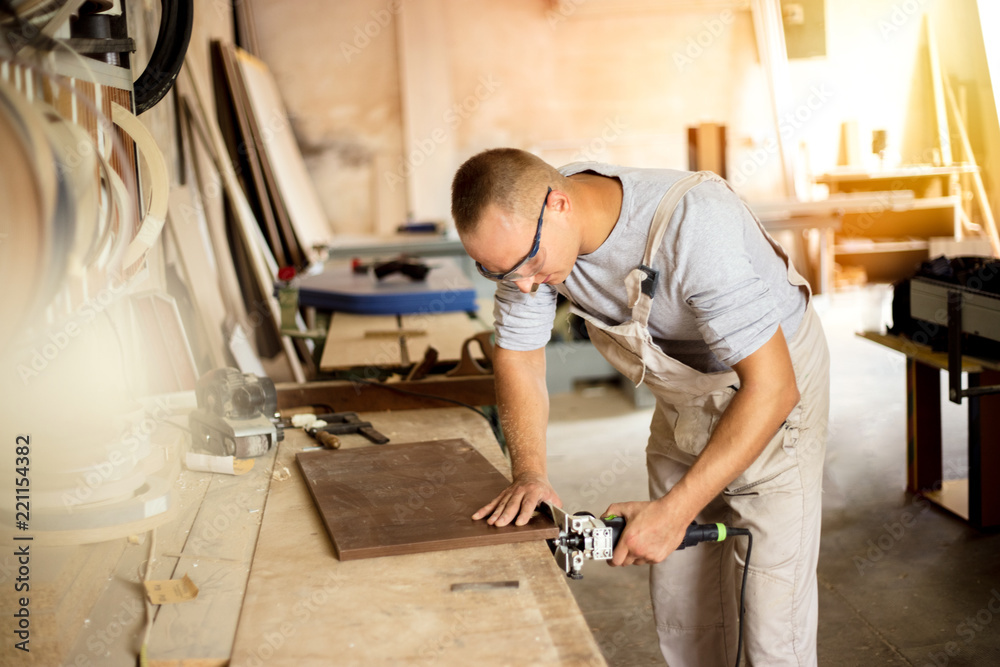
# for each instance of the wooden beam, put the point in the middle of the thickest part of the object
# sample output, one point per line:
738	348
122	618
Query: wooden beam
989	224
941	117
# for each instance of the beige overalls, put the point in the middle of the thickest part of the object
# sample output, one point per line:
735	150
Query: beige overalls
695	591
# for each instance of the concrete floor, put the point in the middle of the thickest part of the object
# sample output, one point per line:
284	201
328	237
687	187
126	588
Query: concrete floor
923	594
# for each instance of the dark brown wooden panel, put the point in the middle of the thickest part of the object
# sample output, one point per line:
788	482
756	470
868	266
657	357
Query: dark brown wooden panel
409	498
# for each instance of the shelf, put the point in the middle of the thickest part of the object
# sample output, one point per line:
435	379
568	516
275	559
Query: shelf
866	247
949	201
953	496
913	171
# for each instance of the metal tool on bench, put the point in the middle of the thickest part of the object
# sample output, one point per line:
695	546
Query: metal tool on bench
236	415
328	426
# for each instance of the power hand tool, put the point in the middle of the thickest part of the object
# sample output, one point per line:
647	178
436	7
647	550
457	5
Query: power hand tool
582	537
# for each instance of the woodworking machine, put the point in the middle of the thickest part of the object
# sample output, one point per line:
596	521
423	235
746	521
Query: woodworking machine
235	415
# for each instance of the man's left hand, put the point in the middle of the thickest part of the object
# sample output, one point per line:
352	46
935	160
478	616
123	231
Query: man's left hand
651	532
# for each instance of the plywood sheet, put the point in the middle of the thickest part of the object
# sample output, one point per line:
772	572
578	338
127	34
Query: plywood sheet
281	150
409	498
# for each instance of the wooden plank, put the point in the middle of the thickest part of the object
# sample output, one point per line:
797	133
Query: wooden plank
206	188
770	33
264	267
856	175
711	152
989	223
187	230
952	496
216	553
447	332
937	91
243	147
281	152
257	136
924	353
432	392
303	606
347	346
409	498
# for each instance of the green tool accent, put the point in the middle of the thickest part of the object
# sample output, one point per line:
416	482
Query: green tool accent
722	531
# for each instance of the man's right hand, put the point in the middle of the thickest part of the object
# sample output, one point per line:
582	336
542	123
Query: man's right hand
518	501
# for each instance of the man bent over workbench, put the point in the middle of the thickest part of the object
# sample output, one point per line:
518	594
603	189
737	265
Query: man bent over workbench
683	290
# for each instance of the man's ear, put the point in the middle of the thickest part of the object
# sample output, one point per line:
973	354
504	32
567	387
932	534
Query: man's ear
559	201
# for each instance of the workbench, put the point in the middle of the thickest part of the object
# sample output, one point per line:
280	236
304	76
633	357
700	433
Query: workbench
977	498
272	591
303	606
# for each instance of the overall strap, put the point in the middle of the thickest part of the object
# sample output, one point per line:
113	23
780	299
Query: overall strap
641	282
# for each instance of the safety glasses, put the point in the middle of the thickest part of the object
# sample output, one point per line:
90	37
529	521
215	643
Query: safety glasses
517	273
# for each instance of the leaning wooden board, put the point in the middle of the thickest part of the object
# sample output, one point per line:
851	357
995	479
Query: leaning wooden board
409	498
304	607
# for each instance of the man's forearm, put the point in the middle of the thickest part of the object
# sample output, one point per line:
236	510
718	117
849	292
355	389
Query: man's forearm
523	402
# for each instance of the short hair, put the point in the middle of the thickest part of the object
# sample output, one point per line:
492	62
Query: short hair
512	179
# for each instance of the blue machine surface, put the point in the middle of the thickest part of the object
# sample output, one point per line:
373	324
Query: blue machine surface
445	289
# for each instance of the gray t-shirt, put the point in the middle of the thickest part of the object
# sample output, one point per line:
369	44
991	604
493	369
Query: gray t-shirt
723	289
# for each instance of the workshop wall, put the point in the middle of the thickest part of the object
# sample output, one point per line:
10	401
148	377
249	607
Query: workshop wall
590	80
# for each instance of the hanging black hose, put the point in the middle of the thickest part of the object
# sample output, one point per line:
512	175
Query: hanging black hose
176	17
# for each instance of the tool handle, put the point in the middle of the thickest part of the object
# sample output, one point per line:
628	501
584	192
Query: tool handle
695	533
328	440
617	525
703	532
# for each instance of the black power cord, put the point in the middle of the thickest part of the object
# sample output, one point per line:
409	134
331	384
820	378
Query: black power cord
743	587
717	532
493	422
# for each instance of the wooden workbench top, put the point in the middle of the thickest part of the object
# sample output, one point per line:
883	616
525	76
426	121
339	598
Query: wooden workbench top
304	607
